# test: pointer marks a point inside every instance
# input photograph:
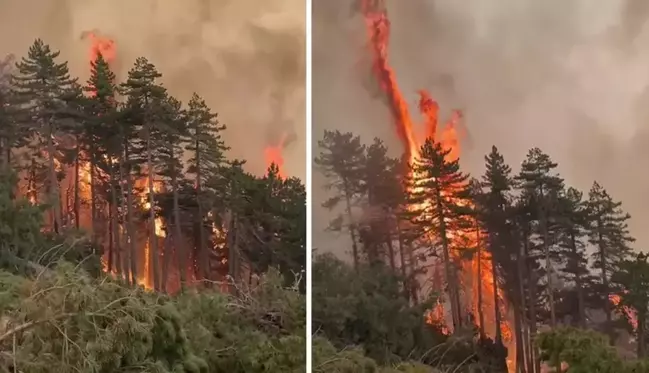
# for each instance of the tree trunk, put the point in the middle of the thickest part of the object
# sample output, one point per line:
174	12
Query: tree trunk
130	229
535	364
178	241
549	272
390	245
448	266
93	195
31	183
114	221
166	253
604	268
54	190
479	255
581	302
233	253
498	339
525	340
641	335
153	238
4	145
203	256
77	182
412	280
352	227
520	347
111	248
402	258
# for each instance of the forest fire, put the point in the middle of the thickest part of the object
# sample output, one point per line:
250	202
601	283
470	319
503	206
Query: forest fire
378	29
141	248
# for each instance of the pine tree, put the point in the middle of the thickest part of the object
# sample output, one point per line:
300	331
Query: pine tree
145	97
608	231
40	83
383	192
572	223
97	140
341	161
207	161
542	186
478	254
496	184
290	246
529	287
11	136
439	192
101	143
170	169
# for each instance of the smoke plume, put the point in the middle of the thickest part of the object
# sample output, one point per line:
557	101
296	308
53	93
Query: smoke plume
245	57
568	77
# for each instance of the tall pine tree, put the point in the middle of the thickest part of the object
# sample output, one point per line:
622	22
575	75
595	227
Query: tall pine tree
40	83
207	160
439	191
341	161
608	231
541	184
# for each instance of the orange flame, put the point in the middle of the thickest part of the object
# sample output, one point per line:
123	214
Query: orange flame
628	312
101	45
378	30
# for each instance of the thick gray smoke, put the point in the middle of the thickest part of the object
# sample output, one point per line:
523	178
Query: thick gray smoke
245	57
566	76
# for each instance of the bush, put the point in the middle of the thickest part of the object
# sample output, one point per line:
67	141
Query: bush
68	321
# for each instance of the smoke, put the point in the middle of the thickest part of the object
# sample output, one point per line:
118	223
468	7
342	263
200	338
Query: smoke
244	57
565	76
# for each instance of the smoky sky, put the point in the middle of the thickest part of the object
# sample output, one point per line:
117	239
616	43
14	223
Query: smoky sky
564	75
245	57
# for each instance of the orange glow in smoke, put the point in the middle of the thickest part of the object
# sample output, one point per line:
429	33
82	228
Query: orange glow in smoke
273	155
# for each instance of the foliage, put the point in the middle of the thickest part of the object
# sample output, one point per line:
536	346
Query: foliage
68	321
367	309
586	351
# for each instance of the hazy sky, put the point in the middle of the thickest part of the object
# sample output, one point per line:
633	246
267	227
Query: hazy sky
245	57
561	75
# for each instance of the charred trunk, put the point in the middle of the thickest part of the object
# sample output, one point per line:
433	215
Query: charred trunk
402	258
53	181
604	268
77	184
153	238
352	226
581	302
449	267
204	265
479	255
178	238
130	226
